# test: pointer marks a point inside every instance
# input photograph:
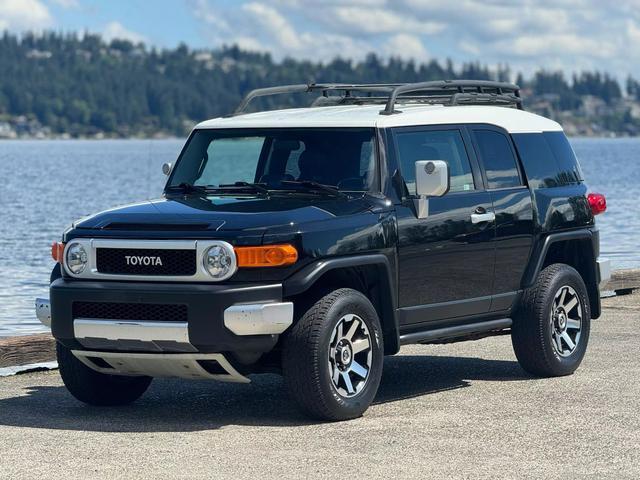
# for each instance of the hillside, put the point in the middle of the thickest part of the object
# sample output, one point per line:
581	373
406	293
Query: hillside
66	85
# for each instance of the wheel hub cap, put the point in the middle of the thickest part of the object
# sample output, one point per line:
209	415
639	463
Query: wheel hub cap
566	321
350	355
343	354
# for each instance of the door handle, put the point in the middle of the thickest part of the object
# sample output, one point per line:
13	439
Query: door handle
483	217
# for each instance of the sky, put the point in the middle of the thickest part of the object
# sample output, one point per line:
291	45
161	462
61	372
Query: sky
568	35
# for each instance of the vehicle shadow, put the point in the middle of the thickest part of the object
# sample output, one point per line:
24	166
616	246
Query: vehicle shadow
173	405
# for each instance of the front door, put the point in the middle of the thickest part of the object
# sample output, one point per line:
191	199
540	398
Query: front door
446	260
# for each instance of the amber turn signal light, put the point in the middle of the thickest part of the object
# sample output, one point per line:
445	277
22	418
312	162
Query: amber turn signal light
266	256
57	250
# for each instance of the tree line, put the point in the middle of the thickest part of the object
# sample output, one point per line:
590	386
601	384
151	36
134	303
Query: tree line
82	85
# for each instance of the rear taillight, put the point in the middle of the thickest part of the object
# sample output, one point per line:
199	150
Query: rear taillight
597	202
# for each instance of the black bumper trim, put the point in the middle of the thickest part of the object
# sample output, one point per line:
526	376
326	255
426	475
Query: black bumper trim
206	304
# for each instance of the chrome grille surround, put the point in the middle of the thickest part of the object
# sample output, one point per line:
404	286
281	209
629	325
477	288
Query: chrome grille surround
91	272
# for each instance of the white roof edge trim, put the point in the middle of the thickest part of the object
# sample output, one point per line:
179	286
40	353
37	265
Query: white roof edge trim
512	120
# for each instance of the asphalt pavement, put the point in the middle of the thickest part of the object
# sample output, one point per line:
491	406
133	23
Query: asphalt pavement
463	410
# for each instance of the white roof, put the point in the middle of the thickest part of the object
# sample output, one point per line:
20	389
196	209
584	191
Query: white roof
511	119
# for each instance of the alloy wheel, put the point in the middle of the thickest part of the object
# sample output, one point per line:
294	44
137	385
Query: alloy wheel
566	321
350	355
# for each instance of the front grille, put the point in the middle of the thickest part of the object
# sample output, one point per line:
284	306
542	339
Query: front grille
137	261
130	311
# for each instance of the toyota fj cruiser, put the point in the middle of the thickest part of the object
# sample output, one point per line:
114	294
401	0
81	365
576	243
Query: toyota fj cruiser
314	241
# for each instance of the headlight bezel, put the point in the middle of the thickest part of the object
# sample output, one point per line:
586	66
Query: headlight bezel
81	255
230	268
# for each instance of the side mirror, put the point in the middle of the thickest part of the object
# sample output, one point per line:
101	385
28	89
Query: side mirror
432	180
166	168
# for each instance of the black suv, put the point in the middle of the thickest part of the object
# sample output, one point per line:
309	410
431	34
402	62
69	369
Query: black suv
314	241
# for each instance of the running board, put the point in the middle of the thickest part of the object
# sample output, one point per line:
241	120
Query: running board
457	331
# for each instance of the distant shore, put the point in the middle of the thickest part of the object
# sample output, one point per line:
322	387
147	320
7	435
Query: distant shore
174	137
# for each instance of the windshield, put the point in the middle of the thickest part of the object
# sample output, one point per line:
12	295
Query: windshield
278	159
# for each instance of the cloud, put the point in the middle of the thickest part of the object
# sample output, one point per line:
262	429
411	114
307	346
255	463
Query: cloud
22	15
115	30
374	21
66	3
527	34
406	46
275	24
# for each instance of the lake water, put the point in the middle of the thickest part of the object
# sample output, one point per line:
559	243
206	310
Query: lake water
47	184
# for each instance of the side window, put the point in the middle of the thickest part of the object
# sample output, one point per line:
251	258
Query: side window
567	161
444	145
497	156
548	159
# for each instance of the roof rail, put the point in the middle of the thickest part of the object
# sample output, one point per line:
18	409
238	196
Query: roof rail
314	87
447	92
459	92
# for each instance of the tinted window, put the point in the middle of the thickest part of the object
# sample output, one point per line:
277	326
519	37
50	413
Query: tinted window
444	145
548	159
565	158
497	156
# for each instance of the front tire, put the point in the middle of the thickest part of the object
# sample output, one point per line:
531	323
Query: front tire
95	388
333	356
551	329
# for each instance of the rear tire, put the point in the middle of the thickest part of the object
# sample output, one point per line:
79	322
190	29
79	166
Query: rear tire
95	388
551	328
333	356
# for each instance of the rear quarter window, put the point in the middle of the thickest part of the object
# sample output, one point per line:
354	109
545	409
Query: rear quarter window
548	159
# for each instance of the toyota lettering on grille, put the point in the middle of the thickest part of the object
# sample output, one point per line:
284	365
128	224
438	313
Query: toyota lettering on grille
143	260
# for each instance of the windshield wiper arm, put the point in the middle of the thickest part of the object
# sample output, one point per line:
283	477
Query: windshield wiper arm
243	186
185	187
311	185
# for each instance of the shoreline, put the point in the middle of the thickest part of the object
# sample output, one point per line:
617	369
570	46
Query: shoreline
26	352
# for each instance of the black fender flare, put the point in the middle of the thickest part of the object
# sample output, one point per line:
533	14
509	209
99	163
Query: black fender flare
305	278
540	250
539	254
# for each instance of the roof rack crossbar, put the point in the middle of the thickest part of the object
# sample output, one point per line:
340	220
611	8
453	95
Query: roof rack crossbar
441	87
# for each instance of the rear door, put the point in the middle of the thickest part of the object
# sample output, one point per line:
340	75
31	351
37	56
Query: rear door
446	260
513	207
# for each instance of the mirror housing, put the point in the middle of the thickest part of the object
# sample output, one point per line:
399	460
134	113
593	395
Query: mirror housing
432	180
166	168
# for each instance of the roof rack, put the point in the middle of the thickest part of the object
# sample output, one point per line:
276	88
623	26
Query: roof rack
446	92
459	92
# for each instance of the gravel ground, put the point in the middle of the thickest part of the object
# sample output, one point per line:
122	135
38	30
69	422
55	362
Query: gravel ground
465	410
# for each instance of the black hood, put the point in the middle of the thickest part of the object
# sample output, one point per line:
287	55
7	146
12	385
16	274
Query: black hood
224	213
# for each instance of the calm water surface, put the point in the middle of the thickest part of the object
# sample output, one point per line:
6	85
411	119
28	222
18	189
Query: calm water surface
47	184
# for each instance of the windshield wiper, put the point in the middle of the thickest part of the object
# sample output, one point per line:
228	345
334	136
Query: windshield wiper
256	187
188	188
318	187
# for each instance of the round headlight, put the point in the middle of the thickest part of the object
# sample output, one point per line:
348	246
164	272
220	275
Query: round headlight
76	258
220	261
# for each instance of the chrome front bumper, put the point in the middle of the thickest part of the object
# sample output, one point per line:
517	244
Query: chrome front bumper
43	311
